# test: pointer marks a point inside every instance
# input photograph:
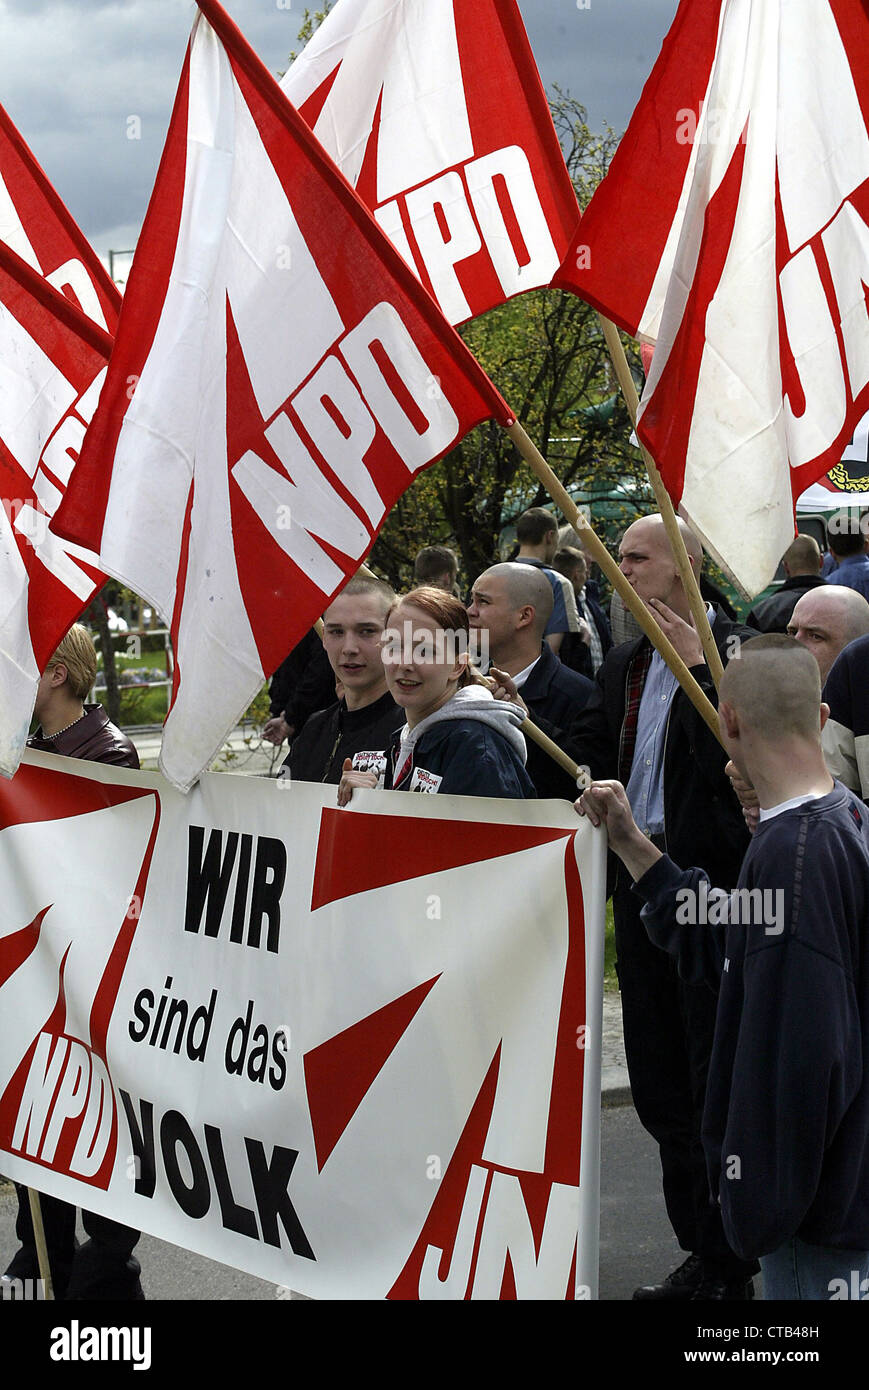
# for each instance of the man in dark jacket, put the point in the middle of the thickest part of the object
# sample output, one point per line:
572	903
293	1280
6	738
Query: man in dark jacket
802	565
510	607
787	1102
104	1266
358	728
585	650
304	682
641	728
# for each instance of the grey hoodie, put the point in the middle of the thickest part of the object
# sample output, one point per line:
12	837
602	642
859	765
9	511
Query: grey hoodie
477	703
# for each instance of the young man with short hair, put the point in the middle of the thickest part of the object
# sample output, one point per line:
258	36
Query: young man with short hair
786	1119
847	541
437	565
357	729
537	534
802	566
66	724
510	606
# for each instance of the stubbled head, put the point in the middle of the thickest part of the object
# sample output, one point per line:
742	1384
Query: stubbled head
826	619
436	565
773	687
571	562
803	556
511	602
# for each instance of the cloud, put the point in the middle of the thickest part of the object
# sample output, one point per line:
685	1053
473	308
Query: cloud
75	71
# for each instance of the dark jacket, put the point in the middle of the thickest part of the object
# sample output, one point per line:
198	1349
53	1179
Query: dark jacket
774	613
336	733
555	693
573	651
461	750
303	683
845	736
94	737
788	1087
702	816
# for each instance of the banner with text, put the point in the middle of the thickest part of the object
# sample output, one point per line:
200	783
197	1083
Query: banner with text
355	1052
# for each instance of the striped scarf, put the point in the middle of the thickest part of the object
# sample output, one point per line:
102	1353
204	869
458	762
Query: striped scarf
637	672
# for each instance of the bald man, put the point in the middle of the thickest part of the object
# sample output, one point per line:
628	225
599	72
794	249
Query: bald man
825	620
640	727
511	604
787	1111
802	567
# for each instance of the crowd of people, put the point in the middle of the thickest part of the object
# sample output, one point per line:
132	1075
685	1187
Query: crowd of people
739	865
746	1036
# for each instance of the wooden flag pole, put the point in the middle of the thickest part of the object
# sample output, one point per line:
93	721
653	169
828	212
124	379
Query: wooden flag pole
601	555
557	754
41	1245
665	505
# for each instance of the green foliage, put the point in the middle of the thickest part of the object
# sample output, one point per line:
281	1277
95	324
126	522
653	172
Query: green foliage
139	705
310	22
258	711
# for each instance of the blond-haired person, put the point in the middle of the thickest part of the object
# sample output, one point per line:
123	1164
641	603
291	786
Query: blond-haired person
104	1266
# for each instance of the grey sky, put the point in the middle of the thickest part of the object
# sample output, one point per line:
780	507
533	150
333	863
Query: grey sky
72	73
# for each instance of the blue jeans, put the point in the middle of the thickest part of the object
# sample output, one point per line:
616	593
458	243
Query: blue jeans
798	1270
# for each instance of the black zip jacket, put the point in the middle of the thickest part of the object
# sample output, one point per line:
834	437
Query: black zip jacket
336	733
774	613
786	1120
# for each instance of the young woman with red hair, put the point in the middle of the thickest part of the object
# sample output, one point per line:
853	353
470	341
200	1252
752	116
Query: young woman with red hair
458	739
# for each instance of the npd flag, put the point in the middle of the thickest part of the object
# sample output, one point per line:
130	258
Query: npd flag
732	231
35	224
434	111
278	379
58	309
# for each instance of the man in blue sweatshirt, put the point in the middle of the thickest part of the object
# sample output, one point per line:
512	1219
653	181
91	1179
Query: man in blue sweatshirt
786	1120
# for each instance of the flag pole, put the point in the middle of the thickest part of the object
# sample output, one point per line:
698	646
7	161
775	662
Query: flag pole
601	555
41	1244
665	505
558	755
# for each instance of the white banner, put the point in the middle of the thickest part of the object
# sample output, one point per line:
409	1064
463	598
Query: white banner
354	1052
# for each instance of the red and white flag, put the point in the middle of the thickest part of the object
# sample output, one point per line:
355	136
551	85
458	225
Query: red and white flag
278	379
58	308
732	232
434	111
37	226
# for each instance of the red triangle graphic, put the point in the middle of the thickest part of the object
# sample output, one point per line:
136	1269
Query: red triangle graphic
42	793
357	853
339	1073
